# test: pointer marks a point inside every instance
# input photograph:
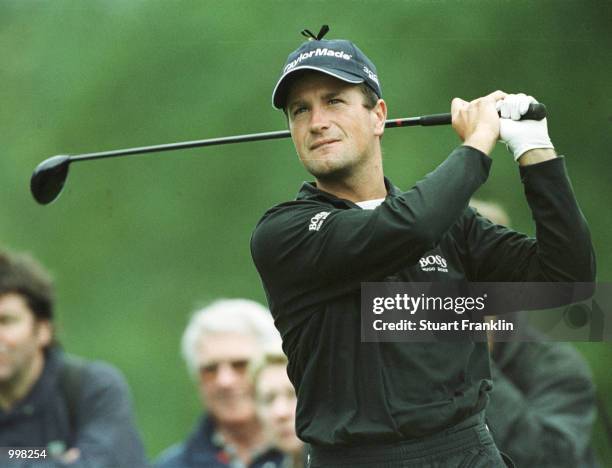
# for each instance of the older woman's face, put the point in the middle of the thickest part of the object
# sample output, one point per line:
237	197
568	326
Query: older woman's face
276	403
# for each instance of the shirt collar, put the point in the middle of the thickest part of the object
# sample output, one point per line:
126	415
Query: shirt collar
207	434
309	191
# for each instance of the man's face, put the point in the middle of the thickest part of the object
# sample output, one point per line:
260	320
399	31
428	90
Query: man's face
333	132
276	403
225	384
22	338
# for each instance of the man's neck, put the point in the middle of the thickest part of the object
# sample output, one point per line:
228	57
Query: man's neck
367	183
246	438
18	387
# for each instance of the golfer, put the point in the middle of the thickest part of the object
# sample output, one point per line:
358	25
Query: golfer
398	404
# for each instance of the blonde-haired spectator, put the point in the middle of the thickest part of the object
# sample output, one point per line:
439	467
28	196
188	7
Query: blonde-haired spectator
276	405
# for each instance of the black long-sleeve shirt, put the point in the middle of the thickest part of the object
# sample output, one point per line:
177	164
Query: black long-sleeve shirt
313	254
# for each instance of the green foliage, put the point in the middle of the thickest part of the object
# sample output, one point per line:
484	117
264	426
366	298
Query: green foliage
136	244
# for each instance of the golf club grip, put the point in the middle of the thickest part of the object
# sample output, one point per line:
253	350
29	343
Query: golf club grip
536	111
436	119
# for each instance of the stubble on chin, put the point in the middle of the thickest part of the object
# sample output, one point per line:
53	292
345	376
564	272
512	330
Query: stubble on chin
331	174
328	169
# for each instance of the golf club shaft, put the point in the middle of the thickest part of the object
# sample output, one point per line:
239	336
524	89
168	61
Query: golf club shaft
410	121
536	112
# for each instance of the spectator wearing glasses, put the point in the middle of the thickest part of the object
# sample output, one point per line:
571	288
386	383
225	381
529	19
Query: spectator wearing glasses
219	343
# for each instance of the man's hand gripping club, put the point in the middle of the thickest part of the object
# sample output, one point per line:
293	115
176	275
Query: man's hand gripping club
478	124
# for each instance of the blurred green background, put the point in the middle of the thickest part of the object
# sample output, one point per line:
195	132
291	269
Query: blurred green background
136	244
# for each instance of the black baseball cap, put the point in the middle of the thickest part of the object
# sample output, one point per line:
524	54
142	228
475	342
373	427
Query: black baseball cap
338	58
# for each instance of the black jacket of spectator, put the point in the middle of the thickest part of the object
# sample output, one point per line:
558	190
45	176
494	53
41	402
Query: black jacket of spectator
98	421
204	448
542	407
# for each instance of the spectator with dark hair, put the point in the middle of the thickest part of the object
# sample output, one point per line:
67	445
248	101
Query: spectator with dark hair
76	412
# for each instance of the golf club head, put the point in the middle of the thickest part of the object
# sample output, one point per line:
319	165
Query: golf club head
48	179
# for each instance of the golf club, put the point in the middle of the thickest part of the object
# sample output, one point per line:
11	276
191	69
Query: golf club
50	175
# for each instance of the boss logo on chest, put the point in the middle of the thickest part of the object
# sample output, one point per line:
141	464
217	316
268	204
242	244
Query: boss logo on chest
433	263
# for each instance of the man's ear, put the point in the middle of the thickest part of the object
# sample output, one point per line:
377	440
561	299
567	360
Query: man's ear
44	333
380	116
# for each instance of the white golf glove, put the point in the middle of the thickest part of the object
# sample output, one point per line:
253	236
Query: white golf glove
521	135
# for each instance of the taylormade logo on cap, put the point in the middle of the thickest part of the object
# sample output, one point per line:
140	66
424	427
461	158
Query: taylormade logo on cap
337	57
317	52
